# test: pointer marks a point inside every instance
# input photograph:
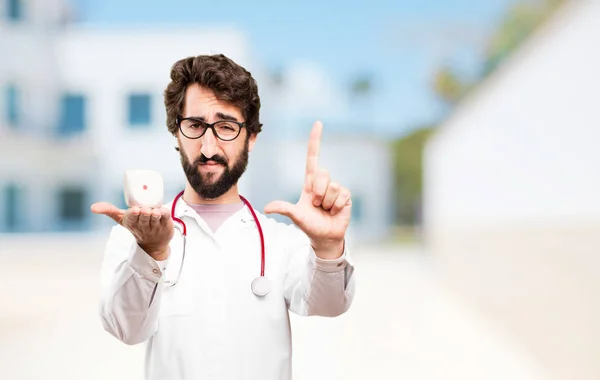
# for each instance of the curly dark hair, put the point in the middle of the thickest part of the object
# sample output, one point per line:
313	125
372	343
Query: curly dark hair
229	81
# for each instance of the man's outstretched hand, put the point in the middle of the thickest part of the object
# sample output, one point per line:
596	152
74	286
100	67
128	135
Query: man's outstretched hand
151	227
324	208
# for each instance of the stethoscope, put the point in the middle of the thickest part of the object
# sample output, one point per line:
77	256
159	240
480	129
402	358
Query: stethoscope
261	285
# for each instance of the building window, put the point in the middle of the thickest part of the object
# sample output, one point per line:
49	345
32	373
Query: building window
12	105
139	109
15	10
11	202
72	205
72	117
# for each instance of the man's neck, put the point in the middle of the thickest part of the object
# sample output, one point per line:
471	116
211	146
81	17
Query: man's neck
191	197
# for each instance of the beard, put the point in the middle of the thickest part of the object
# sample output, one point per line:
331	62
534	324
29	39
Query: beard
204	184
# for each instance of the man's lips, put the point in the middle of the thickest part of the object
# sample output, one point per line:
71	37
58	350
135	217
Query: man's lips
210	166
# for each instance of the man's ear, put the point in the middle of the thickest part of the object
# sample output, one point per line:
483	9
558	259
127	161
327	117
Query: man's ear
251	141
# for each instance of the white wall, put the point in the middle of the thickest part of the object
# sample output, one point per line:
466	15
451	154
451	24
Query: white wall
512	211
28	62
525	147
41	168
27	158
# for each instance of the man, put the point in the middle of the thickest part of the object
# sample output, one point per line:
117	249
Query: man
190	298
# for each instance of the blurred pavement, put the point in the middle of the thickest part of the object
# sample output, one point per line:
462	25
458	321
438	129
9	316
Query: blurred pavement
402	324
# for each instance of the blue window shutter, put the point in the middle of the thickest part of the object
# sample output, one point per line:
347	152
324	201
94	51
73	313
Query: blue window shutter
72	114
11	205
72	203
139	109
12	105
15	10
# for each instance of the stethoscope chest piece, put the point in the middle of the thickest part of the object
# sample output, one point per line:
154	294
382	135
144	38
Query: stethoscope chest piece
261	286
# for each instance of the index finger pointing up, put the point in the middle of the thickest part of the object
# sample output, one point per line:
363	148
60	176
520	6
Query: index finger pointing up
312	156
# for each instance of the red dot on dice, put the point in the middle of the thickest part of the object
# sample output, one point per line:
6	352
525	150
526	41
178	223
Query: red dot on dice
145	187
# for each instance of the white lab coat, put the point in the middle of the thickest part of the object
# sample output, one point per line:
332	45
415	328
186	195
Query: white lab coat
210	325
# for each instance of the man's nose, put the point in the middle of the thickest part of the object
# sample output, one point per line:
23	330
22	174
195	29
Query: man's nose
210	145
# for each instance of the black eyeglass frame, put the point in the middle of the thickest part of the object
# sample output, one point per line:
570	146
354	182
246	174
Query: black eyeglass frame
211	126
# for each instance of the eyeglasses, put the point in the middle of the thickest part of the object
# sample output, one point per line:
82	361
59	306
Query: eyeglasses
194	128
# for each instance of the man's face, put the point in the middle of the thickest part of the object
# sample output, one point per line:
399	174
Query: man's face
212	166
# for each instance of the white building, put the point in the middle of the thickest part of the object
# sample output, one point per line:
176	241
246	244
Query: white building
82	104
512	196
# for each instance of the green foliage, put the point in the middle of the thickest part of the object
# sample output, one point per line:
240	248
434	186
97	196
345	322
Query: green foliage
519	22
408	169
362	85
448	86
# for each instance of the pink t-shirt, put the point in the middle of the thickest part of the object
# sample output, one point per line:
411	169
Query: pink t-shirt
215	215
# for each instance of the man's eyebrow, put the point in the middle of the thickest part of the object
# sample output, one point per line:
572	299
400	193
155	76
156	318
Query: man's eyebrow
201	118
220	116
224	116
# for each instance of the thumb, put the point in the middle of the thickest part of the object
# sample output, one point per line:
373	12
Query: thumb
105	208
281	207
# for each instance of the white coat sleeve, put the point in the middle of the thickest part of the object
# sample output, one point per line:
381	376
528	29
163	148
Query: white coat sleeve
130	291
313	286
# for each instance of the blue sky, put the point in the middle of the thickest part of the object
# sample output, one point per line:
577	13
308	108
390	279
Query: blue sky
398	42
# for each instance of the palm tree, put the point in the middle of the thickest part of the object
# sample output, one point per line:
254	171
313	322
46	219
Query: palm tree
361	90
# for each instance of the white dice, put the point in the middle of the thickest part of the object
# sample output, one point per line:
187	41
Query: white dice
143	188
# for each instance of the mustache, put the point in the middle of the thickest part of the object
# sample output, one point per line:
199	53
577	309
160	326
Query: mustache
216	158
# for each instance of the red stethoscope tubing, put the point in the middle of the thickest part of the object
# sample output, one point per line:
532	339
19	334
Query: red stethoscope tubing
260	231
262	238
176	219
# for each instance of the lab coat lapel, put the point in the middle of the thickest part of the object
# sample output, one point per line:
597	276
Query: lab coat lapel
183	210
